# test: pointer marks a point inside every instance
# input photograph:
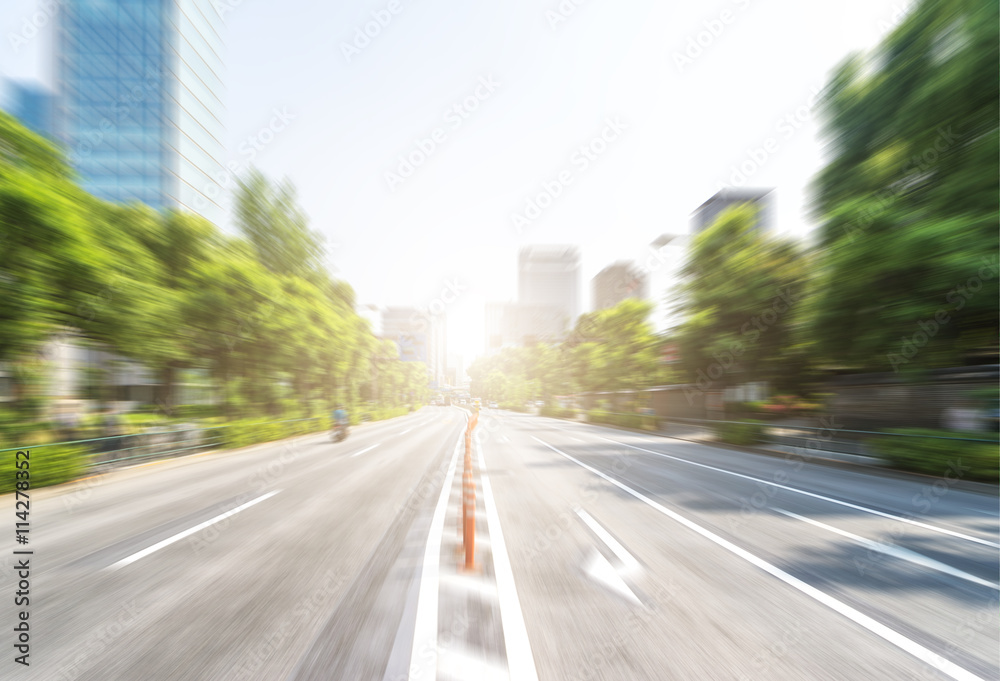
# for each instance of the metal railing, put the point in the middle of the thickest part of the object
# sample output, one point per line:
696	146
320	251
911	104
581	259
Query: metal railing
832	440
116	450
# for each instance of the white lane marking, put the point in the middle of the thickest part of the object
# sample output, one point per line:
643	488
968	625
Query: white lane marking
895	551
423	656
600	569
504	439
891	516
406	431
629	563
912	647
475	586
457	663
366	449
188	532
520	662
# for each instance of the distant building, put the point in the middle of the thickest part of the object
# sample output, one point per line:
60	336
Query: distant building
708	212
33	106
511	325
420	337
455	371
139	106
617	282
501	326
548	289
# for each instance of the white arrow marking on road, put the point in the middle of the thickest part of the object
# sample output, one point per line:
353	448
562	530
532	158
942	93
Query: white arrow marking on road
892	636
629	564
896	551
186	533
366	449
600	569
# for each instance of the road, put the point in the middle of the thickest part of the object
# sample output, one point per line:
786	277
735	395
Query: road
601	554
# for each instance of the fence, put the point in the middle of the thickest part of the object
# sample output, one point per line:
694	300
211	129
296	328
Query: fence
118	450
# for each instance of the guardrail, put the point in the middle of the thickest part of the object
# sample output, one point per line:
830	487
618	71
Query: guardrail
107	451
825	439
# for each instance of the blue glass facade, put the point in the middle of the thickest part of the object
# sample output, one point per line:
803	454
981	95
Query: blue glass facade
33	106
139	106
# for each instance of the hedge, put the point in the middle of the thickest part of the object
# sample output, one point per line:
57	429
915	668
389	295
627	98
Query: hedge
637	421
252	431
742	433
47	466
927	454
556	412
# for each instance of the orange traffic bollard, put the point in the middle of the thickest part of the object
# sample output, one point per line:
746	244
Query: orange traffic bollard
469	501
469	520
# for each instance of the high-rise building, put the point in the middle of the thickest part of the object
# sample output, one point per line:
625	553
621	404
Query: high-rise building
511	325
33	106
617	282
420	337
548	289
139	85
724	199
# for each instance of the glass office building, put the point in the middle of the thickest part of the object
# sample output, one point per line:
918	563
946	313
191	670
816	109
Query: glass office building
139	86
33	106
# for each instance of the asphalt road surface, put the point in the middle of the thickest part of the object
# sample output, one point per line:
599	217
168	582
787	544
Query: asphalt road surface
604	554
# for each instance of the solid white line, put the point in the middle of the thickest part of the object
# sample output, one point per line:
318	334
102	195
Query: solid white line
366	449
423	656
895	551
406	431
186	533
629	563
520	661
457	663
912	647
891	516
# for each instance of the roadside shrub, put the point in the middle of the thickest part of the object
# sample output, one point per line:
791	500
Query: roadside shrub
934	456
48	466
556	412
742	433
252	431
636	421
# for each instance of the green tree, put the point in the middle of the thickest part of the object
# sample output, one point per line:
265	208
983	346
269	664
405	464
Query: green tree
739	302
909	205
269	216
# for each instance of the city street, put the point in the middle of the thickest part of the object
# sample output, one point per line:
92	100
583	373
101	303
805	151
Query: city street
604	554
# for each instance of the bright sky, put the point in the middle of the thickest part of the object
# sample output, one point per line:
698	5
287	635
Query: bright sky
532	85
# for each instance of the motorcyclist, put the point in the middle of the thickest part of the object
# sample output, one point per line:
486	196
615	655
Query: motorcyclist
340	422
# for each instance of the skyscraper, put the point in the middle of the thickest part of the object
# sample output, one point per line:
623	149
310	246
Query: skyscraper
617	282
33	106
724	199
139	86
548	282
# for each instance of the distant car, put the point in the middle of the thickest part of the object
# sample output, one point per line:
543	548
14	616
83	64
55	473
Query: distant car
539	404
493	405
